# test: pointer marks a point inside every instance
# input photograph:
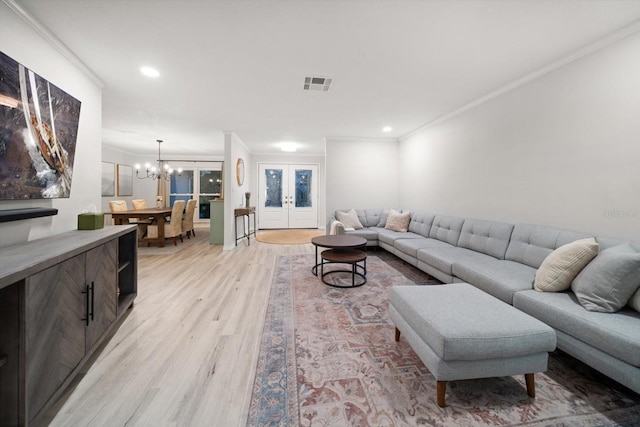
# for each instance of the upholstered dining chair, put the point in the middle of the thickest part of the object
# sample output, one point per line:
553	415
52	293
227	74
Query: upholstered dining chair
173	228
142	222
118	206
187	221
139	204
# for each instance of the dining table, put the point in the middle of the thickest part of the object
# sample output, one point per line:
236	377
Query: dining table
159	216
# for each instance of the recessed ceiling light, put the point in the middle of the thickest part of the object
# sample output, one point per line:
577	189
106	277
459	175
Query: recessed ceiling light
289	147
150	72
387	129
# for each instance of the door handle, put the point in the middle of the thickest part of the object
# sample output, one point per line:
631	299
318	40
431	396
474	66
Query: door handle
86	307
93	293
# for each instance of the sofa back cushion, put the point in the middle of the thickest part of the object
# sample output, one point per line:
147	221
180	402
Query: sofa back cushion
446	228
487	237
421	223
368	217
531	244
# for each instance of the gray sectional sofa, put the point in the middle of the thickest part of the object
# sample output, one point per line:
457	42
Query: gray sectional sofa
502	259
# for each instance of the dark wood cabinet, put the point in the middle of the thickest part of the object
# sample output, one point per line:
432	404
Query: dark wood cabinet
56	313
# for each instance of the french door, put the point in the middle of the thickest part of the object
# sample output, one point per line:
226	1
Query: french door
287	196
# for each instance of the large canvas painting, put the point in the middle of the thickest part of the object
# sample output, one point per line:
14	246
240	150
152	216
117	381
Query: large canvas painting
38	132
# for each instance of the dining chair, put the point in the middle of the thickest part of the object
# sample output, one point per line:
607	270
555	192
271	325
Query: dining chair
187	221
118	206
173	228
139	204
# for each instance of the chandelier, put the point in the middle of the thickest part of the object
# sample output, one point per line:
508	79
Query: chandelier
163	171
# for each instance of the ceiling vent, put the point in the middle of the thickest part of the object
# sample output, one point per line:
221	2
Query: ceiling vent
317	83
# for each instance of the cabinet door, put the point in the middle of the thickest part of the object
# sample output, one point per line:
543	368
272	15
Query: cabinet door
102	274
55	333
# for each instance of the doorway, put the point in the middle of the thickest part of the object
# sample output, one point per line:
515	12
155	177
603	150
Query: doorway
287	196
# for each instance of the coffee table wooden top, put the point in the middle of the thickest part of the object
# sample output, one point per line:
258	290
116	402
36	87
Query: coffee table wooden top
339	241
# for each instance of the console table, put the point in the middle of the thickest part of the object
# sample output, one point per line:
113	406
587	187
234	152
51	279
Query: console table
60	297
246	232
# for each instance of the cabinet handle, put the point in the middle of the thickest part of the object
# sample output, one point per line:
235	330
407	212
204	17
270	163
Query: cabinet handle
86	307
92	299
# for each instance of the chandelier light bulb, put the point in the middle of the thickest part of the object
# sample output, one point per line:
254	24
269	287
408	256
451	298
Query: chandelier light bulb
163	171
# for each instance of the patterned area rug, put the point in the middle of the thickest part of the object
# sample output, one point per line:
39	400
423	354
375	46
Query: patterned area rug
328	358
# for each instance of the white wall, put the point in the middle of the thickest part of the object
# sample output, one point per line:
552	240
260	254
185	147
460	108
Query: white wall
362	174
234	197
22	43
562	150
289	159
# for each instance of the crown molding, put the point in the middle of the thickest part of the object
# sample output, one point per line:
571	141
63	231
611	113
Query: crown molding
46	34
589	49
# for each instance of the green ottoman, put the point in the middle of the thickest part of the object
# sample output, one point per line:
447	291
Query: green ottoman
460	332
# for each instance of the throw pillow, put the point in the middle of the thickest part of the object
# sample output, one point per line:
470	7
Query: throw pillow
383	218
397	221
561	266
349	219
610	280
634	301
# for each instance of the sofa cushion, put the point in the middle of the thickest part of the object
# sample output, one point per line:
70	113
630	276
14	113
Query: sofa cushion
616	334
349	219
371	234
500	278
487	237
446	228
561	266
412	246
610	280
421	223
443	258
389	237
530	244
397	221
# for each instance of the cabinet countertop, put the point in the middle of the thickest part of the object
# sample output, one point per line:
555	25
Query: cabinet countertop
24	259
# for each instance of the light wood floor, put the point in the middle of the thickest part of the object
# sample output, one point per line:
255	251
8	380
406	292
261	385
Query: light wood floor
185	355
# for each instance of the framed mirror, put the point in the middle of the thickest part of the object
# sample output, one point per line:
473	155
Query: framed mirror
240	171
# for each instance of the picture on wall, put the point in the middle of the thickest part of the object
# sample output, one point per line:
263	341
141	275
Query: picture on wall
108	179
38	133
125	180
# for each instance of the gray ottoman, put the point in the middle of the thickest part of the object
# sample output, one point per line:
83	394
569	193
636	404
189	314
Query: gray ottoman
460	332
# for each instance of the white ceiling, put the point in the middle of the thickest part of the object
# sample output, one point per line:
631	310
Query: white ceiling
240	65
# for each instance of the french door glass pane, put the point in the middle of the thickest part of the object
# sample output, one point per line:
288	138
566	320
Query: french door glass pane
274	188
303	188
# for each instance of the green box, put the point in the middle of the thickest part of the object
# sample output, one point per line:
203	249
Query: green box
90	221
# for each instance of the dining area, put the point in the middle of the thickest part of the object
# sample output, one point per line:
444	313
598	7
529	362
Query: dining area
156	224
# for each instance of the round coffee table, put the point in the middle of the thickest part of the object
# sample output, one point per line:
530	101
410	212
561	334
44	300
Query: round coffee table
340	241
345	256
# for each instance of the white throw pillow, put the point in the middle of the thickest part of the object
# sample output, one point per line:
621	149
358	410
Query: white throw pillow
397	221
349	219
561	266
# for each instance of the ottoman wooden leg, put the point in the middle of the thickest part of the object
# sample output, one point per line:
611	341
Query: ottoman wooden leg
397	334
531	384
441	388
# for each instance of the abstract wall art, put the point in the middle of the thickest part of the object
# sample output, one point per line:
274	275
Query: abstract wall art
38	133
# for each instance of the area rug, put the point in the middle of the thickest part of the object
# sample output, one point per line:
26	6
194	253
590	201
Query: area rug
328	358
288	237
